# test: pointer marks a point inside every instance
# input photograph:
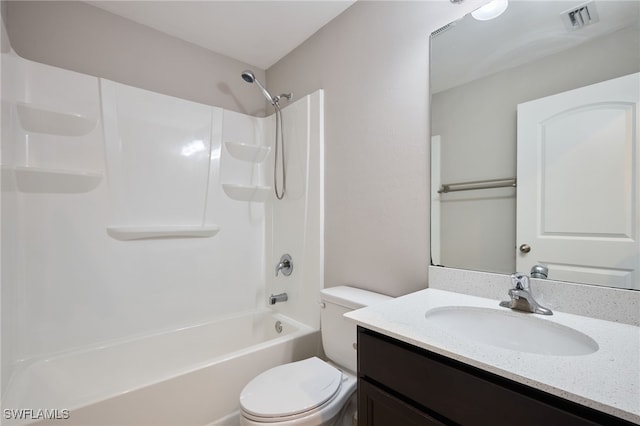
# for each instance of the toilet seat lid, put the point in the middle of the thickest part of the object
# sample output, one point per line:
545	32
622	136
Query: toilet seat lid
291	389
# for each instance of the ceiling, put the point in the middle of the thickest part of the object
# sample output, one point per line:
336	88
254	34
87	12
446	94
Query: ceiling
527	31
256	32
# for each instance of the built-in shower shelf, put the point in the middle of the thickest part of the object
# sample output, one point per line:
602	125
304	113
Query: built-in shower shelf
127	233
39	119
246	192
246	152
44	180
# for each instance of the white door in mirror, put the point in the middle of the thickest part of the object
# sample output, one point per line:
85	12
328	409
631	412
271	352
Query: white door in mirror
578	184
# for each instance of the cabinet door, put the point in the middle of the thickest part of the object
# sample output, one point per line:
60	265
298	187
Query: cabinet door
454	393
383	409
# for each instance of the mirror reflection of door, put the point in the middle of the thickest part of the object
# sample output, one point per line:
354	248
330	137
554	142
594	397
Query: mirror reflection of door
578	178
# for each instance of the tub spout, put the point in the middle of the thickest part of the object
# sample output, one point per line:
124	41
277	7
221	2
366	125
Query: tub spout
275	298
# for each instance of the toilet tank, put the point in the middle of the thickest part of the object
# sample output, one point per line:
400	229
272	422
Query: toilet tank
338	334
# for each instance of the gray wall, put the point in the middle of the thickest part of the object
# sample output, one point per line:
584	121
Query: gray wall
478	228
4	38
373	63
80	37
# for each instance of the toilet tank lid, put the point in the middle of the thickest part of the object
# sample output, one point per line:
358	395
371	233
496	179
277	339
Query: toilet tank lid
351	297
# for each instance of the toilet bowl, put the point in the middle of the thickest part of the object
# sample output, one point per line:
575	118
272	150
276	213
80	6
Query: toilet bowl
313	392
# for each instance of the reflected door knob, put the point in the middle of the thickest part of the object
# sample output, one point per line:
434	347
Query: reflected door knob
525	248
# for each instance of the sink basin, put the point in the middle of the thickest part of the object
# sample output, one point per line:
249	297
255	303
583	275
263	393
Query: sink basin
511	330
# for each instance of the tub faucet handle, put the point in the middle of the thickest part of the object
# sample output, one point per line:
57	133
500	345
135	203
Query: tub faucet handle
285	265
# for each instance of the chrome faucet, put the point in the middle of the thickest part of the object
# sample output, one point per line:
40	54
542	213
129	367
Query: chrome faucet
275	298
285	265
521	298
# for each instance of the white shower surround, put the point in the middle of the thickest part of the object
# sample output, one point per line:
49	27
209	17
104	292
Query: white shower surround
71	282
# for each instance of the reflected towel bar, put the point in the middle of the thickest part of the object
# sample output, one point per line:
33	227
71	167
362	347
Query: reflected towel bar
478	184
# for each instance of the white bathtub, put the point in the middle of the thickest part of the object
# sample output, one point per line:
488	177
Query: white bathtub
189	376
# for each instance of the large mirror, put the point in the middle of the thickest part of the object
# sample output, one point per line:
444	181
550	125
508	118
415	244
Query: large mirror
534	141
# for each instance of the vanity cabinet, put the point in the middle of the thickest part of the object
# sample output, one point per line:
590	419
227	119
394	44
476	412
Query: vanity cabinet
401	384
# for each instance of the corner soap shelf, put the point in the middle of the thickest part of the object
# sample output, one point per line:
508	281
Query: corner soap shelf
246	192
252	153
38	119
126	233
34	179
246	152
44	180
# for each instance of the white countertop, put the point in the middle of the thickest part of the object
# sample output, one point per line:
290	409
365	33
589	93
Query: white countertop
607	380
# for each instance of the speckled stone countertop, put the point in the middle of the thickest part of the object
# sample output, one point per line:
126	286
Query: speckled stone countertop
607	380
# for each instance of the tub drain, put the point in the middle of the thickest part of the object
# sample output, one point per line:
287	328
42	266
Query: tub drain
279	326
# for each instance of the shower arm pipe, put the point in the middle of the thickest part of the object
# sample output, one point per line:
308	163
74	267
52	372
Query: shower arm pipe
287	96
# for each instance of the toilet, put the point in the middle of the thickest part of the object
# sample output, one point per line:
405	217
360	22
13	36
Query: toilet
313	392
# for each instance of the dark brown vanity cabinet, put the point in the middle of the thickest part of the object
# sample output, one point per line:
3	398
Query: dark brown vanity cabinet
403	385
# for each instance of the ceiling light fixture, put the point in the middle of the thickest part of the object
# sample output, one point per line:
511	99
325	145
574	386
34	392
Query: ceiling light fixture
491	10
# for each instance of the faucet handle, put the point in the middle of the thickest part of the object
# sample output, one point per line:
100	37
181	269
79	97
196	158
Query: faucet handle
520	281
539	271
285	265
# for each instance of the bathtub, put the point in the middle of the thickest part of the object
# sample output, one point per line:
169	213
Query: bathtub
188	376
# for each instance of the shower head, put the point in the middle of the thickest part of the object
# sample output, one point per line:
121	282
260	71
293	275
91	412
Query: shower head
249	77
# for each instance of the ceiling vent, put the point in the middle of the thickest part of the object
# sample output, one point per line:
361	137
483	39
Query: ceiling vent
581	16
443	29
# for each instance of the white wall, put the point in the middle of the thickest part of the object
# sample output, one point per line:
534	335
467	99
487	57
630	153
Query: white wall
373	61
80	37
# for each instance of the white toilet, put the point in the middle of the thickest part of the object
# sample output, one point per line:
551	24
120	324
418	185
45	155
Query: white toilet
313	392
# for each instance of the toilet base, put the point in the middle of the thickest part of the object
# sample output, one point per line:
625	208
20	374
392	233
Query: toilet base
347	416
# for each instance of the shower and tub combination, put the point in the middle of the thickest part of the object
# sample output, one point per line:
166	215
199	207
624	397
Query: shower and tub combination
140	233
